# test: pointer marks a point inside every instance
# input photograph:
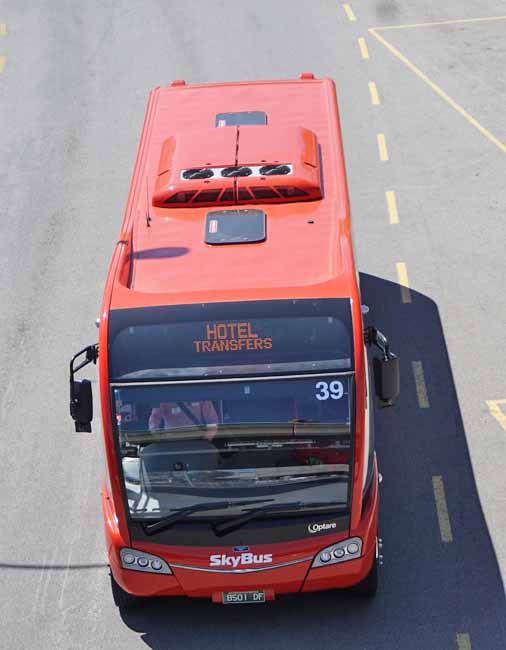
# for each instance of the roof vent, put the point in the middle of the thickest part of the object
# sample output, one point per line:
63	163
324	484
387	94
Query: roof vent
242	164
235	226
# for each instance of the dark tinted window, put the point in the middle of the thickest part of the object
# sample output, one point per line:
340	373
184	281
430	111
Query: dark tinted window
241	117
180	197
264	193
220	339
288	191
235	226
243	194
207	196
228	195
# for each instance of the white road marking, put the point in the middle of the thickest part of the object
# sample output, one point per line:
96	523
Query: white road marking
442	509
421	388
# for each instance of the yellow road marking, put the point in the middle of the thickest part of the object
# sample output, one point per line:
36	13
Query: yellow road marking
442	509
472	120
349	12
392	207
442	22
373	91
363	48
421	387
463	641
382	146
2	63
3	29
402	274
494	406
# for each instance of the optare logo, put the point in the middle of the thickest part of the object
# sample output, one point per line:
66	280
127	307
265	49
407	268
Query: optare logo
241	549
244	558
317	528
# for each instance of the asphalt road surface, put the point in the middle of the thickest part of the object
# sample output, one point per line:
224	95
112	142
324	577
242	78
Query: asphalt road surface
74	84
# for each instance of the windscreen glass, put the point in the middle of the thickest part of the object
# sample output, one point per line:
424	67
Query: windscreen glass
285	438
230	339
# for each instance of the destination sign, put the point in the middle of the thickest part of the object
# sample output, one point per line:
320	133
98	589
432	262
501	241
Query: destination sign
232	337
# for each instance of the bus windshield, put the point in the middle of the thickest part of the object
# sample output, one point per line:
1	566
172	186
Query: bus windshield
185	442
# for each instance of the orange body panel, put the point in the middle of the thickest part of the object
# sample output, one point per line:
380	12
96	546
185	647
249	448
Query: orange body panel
163	260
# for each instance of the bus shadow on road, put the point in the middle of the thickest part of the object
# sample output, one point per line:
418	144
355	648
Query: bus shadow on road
430	589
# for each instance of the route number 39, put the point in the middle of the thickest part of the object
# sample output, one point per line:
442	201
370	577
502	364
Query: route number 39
324	390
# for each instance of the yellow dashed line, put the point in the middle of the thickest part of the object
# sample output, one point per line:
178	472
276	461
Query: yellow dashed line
494	406
2	63
349	12
373	91
363	48
382	147
441	22
463	641
421	387
472	120
402	274
392	207
442	509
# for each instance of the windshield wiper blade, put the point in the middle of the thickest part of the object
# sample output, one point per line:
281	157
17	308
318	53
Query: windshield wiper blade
182	513
233	524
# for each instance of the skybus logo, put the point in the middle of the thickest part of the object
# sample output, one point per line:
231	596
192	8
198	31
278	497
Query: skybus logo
231	337
244	558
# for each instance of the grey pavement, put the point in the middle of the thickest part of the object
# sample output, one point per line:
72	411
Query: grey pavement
72	98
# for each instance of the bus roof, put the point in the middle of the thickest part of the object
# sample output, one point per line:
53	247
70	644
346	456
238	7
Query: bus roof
162	256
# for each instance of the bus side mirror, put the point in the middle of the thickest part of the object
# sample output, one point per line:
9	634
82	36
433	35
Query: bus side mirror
387	378
81	404
81	398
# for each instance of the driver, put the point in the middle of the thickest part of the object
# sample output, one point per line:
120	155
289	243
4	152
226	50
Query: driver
186	454
172	415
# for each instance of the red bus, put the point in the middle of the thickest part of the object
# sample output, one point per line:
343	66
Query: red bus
234	378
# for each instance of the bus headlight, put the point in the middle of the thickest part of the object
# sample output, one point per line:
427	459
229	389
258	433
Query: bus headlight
348	549
141	561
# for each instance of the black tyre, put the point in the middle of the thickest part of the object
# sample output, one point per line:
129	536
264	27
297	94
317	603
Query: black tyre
122	598
369	585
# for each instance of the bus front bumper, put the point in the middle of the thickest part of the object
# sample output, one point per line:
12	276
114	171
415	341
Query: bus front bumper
192	582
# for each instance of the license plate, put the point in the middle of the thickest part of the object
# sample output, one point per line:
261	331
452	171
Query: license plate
242	597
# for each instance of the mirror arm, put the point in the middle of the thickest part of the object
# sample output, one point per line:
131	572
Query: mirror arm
372	335
91	352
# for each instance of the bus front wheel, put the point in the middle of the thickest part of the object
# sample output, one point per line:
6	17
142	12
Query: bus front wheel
369	585
122	598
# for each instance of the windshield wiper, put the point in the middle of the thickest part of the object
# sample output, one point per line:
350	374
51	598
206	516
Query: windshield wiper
182	513
233	524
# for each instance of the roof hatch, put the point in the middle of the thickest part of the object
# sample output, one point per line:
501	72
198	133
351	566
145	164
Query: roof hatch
235	226
241	117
